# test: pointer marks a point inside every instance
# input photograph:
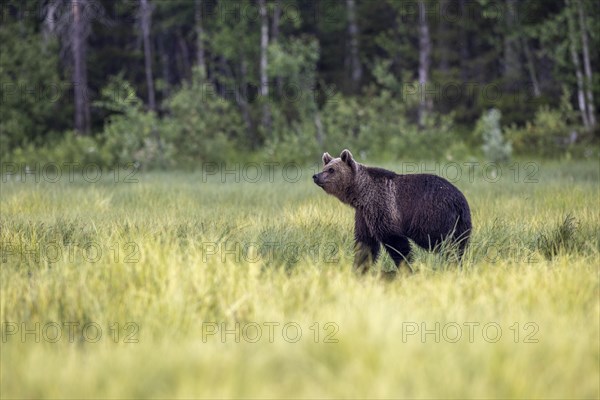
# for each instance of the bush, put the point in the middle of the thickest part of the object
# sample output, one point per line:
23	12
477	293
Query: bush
495	147
202	126
71	148
546	135
131	134
552	131
296	142
376	125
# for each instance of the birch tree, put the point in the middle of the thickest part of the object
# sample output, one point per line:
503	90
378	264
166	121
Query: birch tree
531	66
78	34
424	63
71	20
145	22
581	97
511	59
591	109
264	66
200	56
274	39
355	66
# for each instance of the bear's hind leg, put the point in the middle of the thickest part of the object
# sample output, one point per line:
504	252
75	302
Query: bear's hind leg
398	247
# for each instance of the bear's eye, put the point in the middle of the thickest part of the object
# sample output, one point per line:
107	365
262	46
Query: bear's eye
330	170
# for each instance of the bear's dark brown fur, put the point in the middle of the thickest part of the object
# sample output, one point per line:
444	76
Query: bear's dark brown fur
392	208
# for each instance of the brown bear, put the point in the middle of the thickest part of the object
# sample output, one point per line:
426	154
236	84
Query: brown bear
392	208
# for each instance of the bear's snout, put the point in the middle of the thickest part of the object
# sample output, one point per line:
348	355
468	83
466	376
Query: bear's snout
317	180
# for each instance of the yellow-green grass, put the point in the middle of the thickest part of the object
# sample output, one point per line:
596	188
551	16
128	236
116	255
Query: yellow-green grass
165	265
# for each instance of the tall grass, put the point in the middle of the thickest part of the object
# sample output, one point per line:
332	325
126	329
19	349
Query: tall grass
208	287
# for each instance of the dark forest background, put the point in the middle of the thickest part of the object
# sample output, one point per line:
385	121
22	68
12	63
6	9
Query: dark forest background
178	82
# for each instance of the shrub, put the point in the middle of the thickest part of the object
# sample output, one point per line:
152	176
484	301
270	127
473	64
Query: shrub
296	142
202	126
377	125
495	147
552	131
131	134
71	148
547	135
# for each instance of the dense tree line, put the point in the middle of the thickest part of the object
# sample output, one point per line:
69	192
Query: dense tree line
279	63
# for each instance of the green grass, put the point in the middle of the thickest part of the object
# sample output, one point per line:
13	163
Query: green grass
202	253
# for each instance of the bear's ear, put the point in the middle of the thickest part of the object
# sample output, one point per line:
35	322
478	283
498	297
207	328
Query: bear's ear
346	157
326	158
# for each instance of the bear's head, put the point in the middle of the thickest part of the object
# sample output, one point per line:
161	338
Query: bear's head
338	175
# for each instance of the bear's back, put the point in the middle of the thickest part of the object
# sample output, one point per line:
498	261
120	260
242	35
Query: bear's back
425	183
431	207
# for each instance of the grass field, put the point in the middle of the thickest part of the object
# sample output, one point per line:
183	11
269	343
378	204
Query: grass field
219	284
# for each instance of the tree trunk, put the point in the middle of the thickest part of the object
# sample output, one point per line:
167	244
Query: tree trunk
531	67
222	73
264	64
355	66
319	128
49	27
145	21
444	46
274	39
511	60
424	63
185	56
200	38
464	43
78	30
242	101
529	59
587	64
276	19
165	65
578	74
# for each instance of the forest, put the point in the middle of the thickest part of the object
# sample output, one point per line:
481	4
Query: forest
179	82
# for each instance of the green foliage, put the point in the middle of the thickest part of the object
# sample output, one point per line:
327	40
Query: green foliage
294	59
203	126
295	118
131	134
293	64
31	91
552	132
295	143
70	148
376	126
495	146
310	55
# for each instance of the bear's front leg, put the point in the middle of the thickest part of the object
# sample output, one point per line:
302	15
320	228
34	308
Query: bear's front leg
366	248
398	247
